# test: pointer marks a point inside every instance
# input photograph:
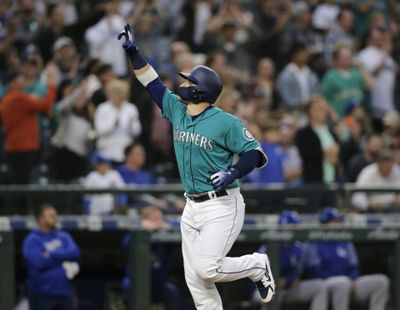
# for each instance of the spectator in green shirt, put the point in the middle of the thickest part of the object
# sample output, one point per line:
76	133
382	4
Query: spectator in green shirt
345	82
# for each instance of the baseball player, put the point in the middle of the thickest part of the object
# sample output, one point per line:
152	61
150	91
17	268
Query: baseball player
337	262
205	141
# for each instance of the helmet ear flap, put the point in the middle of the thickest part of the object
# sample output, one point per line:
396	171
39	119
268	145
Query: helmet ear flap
199	95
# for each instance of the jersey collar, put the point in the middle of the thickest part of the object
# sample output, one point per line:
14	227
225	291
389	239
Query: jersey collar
208	112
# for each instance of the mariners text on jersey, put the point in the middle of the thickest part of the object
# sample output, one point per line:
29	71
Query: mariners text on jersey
217	135
194	138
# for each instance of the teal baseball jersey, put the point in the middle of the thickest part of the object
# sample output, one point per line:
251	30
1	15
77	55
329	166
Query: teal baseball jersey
206	144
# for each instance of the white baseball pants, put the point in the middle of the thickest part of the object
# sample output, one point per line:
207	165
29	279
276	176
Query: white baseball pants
372	290
209	230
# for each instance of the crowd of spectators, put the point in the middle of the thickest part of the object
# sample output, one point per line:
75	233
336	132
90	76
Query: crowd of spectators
315	81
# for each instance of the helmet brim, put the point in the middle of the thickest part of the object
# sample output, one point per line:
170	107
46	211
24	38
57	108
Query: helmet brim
187	76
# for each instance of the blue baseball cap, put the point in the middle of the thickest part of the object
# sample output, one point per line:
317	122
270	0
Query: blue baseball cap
288	217
97	159
329	214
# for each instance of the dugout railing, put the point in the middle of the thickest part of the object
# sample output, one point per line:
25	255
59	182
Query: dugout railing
21	199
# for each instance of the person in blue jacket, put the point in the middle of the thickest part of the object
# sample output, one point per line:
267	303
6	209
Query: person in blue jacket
338	260
293	287
51	257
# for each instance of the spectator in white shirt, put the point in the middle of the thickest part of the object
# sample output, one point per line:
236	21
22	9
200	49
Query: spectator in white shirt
296	83
101	177
102	42
376	59
385	172
116	122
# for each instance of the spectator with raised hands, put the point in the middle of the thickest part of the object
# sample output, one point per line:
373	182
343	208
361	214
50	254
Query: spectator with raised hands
365	10
148	23
325	14
229	10
101	39
74	114
55	27
301	31
19	113
116	121
376	59
271	21
230	32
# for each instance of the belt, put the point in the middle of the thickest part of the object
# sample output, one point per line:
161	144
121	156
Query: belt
206	196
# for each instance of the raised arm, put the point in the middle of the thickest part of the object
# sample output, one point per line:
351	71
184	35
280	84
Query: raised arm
145	73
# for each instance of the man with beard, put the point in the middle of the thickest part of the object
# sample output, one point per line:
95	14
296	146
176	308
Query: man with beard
51	256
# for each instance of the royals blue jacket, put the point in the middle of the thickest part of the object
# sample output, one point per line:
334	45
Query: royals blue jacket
327	259
44	254
291	257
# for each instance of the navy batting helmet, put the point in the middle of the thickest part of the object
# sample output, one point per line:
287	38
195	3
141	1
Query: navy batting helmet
328	214
289	217
208	84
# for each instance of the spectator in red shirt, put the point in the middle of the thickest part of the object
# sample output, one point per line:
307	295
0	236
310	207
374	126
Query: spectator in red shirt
19	112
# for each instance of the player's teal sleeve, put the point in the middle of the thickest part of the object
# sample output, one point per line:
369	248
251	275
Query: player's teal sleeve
172	107
239	140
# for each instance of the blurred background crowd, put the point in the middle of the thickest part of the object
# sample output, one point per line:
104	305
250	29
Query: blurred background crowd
316	82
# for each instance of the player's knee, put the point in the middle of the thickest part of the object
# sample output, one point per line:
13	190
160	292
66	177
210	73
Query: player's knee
323	288
206	269
382	282
341	283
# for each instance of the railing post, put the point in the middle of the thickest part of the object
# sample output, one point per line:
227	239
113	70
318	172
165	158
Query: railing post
7	271
139	259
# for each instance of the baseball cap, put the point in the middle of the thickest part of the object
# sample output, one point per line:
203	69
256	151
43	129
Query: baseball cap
288	217
98	159
329	214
